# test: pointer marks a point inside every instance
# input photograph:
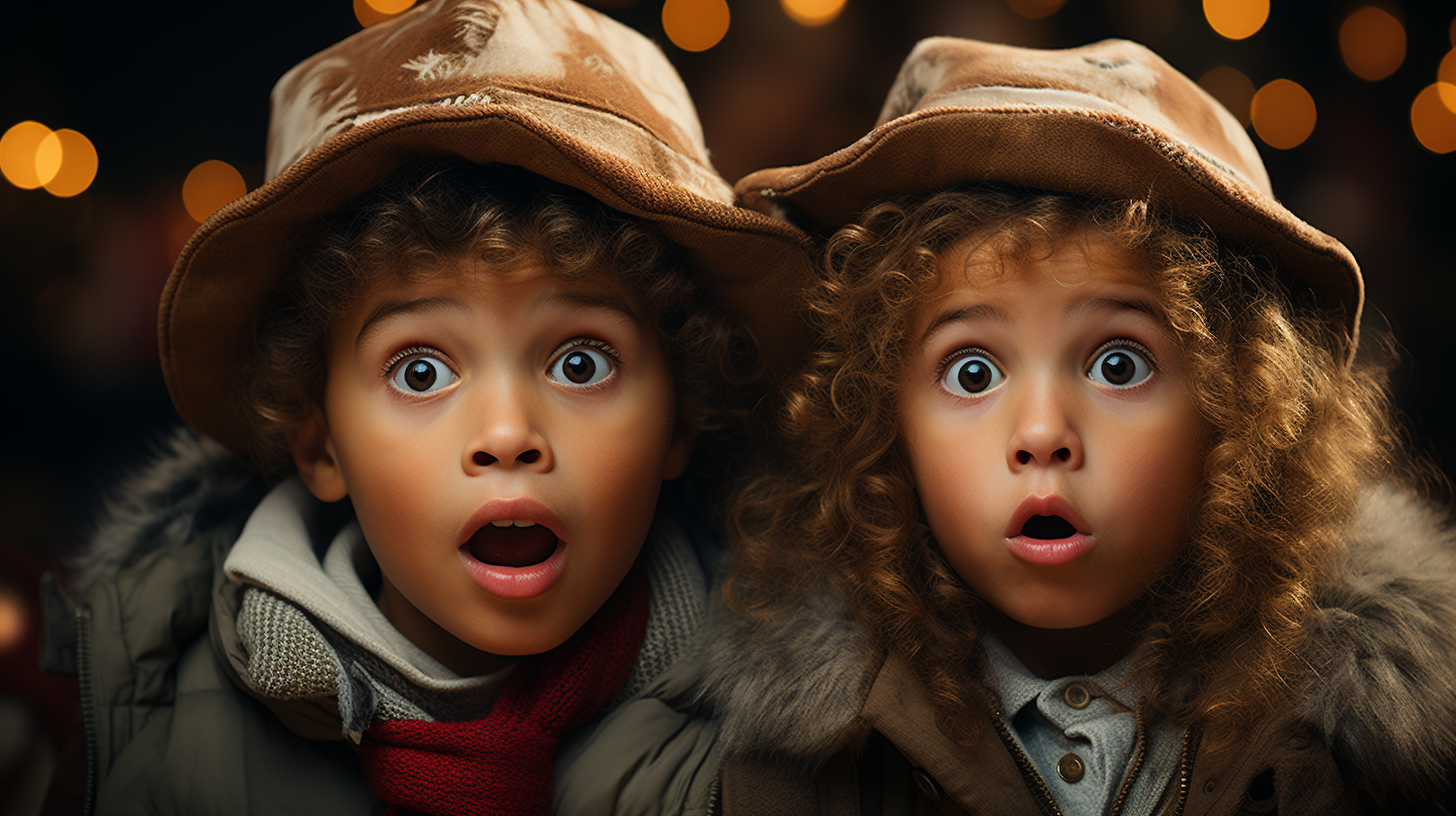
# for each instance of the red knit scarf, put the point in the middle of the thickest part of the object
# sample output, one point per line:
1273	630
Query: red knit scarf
502	762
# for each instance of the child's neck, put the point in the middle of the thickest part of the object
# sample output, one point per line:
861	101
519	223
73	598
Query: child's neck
1086	650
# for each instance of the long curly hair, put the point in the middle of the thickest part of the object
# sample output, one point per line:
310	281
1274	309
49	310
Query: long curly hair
1295	433
410	227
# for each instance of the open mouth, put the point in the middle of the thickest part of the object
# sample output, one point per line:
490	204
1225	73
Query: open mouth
512	544
1047	528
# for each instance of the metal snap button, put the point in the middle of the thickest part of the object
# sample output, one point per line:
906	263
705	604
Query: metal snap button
927	785
1070	768
1077	696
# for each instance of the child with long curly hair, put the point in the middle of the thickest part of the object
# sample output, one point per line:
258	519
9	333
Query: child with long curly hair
1085	503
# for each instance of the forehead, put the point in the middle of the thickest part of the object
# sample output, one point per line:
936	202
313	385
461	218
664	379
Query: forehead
528	280
1084	260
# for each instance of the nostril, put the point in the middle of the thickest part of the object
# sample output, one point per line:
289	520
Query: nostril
529	457
482	458
1023	457
1063	454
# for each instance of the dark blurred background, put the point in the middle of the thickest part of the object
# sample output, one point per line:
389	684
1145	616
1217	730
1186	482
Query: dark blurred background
163	87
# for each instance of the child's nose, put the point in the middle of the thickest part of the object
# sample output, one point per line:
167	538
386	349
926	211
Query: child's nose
508	437
1043	435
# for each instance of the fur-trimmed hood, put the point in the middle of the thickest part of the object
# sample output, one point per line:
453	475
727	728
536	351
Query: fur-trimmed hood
1384	700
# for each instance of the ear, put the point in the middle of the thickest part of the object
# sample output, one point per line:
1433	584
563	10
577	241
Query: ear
679	452
313	454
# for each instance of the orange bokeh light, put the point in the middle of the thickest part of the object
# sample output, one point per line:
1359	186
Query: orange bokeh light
369	12
1446	76
1433	122
1372	42
695	25
18	148
390	6
209	186
1236	19
812	13
1283	113
1232	89
75	163
1036	9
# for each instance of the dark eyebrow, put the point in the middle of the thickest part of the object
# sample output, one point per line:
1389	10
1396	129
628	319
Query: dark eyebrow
391	308
979	312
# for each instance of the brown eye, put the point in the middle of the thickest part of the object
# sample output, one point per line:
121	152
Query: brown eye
971	375
1120	367
421	374
581	366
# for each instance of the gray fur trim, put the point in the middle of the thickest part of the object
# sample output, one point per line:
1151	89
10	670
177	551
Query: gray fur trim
190	484
791	687
1385	646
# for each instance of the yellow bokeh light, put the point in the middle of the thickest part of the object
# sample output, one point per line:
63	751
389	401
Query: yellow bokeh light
1372	43
1232	88
695	25
1036	9
18	149
1433	122
76	167
1236	19
1283	113
812	12
390	7
209	186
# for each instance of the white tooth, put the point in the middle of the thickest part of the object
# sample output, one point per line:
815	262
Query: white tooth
524	523
501	523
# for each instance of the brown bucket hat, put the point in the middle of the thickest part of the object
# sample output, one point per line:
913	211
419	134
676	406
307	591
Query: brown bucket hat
548	85
1110	119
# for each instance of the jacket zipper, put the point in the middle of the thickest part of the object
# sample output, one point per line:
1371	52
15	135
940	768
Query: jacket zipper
85	684
1139	753
1033	779
1185	769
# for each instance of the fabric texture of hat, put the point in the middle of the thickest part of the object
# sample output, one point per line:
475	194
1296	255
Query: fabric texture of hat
548	85
1111	120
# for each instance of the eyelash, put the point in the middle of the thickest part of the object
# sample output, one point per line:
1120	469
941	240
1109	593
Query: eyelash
969	351
388	370
1124	342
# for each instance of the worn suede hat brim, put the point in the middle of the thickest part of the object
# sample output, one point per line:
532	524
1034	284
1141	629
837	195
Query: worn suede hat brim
229	271
1068	121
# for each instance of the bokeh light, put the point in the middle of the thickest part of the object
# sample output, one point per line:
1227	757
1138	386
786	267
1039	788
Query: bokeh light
1232	88
14	619
18	149
209	186
695	25
1433	122
369	12
1283	113
1446	77
812	12
1036	9
75	162
1236	19
1372	43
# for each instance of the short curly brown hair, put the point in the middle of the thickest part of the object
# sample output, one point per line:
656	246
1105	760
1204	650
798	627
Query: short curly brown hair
409	227
1296	432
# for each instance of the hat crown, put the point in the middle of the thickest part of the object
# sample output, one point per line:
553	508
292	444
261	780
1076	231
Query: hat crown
1116	77
453	52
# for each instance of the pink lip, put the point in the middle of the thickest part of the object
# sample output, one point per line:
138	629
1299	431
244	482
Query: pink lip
515	583
1047	552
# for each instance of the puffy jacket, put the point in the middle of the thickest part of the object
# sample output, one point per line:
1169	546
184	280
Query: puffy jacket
146	620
